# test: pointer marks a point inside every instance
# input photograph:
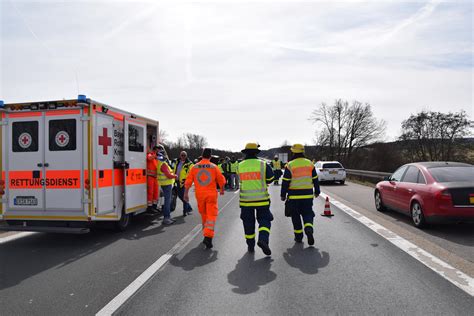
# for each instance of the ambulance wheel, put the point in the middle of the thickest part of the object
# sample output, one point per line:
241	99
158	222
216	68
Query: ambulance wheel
123	223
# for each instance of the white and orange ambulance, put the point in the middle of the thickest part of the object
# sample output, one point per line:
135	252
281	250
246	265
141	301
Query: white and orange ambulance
68	164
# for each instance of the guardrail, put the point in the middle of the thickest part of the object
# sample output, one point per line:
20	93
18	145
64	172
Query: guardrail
366	173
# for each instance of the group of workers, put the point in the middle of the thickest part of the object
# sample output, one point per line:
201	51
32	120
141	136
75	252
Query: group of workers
252	176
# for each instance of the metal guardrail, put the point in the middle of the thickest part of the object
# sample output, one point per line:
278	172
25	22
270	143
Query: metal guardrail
368	174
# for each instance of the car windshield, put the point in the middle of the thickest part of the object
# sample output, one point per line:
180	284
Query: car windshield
453	174
332	165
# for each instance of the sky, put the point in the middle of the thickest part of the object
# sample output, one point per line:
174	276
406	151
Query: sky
241	71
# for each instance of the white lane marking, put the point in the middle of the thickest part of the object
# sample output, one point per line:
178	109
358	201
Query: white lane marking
453	275
6	239
237	192
124	296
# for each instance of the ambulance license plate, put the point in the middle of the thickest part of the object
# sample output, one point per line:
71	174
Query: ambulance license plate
333	172
25	200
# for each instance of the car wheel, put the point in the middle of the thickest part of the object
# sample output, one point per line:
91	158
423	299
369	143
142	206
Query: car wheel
417	215
343	181
123	223
379	203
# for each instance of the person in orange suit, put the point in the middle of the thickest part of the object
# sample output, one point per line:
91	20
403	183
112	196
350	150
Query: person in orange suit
152	183
206	176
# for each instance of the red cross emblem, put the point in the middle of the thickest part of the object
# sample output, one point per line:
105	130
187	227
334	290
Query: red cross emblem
62	139
105	141
24	140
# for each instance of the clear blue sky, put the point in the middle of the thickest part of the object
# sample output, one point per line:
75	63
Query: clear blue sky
239	71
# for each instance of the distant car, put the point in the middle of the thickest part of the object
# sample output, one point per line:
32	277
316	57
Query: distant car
429	192
330	171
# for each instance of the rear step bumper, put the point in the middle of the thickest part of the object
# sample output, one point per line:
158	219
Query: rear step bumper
44	229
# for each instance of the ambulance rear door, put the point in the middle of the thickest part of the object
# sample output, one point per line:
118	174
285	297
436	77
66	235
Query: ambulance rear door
24	164
104	170
63	160
135	160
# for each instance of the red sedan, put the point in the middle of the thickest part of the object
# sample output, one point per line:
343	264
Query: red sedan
429	192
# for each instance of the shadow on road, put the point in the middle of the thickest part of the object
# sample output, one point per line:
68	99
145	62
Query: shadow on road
26	257
196	257
250	274
459	233
307	260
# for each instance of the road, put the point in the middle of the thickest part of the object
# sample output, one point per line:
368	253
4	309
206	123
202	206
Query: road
351	269
454	243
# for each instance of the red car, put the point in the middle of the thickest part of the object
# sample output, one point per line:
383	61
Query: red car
429	192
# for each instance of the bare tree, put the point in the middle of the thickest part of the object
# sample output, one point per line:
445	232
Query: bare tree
343	128
431	135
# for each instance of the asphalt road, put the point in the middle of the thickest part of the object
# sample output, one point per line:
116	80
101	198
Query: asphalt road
57	274
453	243
350	270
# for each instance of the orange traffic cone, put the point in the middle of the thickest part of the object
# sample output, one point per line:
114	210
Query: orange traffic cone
327	209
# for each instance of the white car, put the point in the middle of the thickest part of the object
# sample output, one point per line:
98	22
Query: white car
330	171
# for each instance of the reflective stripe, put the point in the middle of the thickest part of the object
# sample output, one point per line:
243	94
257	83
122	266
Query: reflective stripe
298	231
308	225
254	197
250	236
209	227
286	179
255	203
266	229
300	197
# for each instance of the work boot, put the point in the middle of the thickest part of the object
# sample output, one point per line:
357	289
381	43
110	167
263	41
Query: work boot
309	234
264	245
207	242
167	221
299	240
251	249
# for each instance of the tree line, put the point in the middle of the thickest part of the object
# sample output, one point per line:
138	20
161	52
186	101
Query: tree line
351	134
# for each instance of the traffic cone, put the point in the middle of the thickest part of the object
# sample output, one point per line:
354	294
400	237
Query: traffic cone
327	209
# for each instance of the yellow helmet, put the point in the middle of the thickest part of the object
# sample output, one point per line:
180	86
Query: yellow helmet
297	149
251	146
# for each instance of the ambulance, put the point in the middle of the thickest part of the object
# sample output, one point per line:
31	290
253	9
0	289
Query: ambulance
67	165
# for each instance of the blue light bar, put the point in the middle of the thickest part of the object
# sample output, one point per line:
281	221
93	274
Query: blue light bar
2	105
81	98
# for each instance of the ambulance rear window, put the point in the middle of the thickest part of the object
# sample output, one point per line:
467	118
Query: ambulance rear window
135	138
25	136
62	135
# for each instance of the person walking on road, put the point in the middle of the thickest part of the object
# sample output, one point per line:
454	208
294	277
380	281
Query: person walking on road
276	166
206	176
255	175
299	186
181	168
234	182
151	180
166	180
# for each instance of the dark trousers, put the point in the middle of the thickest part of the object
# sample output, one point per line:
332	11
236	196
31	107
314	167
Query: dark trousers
277	174
186	206
264	219
302	210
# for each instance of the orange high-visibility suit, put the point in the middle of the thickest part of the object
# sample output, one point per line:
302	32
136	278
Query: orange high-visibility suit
206	176
152	182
